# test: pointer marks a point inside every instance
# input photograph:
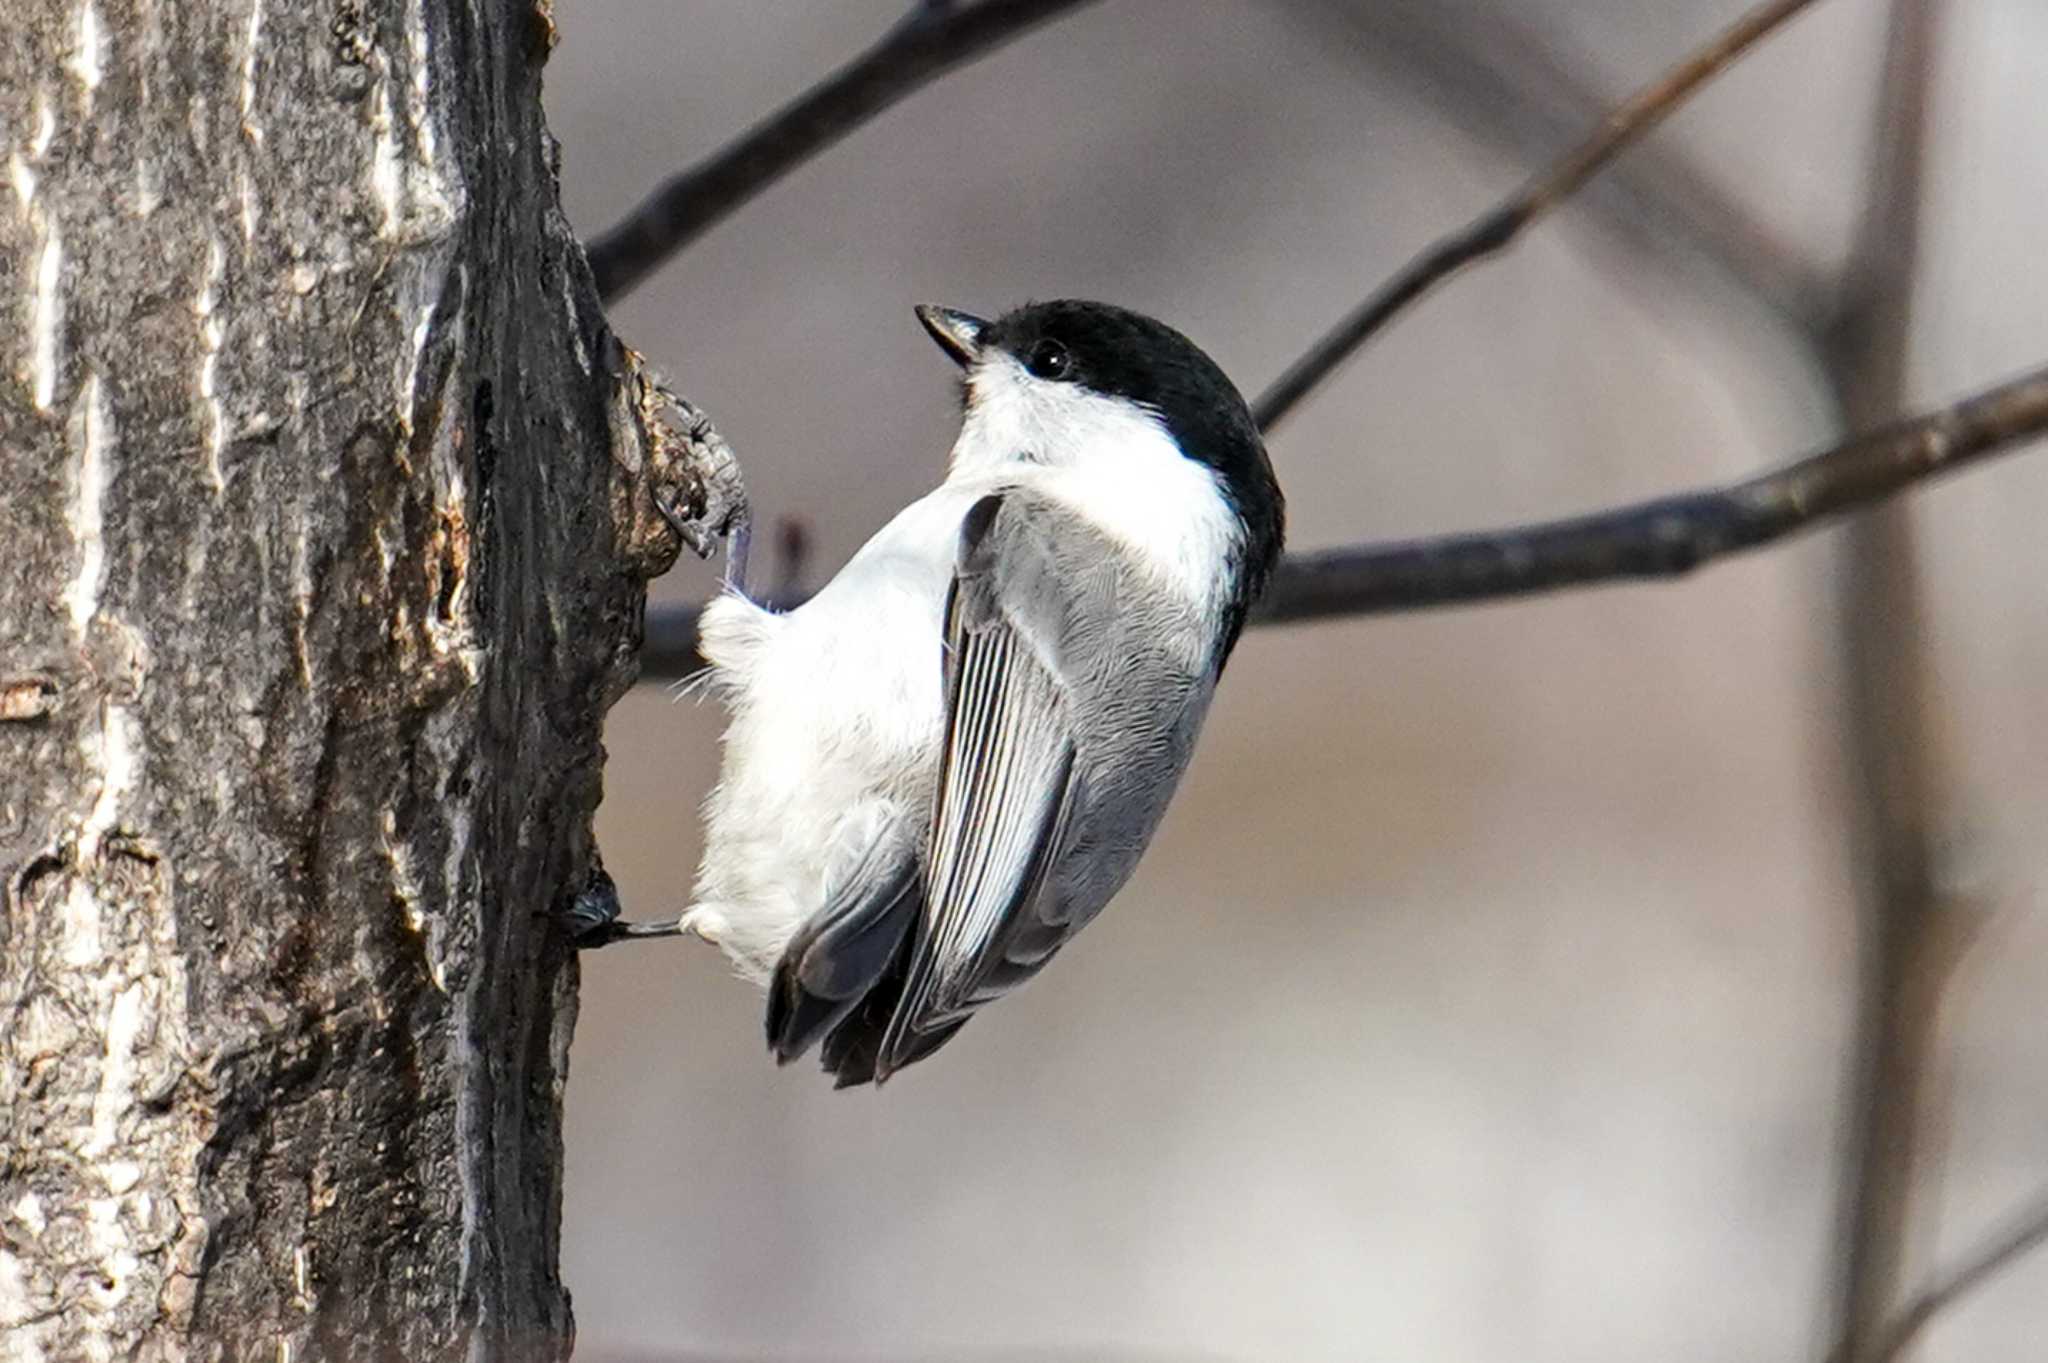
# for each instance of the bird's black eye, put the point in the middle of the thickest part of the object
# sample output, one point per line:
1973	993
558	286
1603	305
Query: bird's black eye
1049	360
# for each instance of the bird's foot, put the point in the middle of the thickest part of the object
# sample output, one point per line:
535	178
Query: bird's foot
592	919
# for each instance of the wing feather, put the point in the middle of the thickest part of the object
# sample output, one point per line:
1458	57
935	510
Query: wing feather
1075	685
1006	782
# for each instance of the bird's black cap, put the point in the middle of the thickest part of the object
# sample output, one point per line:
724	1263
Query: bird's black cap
1126	354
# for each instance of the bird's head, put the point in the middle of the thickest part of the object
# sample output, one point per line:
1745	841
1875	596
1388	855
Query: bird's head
1071	380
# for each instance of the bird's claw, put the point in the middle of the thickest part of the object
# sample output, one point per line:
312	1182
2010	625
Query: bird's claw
592	920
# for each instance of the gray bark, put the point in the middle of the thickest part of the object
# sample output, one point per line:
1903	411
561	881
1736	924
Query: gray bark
324	528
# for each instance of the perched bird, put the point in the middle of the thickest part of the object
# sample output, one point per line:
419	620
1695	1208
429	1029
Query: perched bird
944	764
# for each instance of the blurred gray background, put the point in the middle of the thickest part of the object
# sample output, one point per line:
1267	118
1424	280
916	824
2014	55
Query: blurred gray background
1488	992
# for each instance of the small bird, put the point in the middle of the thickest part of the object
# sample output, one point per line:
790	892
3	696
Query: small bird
944	764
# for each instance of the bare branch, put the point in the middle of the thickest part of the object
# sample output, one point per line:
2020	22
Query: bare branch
929	41
2027	1232
1662	538
1496	230
1507	83
1891	739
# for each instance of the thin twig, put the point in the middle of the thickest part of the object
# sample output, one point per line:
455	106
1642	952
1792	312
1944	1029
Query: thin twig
1662	538
1891	740
928	42
2027	1233
1508	84
1496	230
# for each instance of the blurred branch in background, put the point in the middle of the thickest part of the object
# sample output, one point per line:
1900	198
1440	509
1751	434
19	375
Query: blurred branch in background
1496	230
1503	83
2026	1233
935	37
1908	941
1661	538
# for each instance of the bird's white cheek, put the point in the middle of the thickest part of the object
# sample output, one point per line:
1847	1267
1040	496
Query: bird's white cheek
1111	461
1166	510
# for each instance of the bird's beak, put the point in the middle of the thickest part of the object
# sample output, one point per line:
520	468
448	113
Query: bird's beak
957	333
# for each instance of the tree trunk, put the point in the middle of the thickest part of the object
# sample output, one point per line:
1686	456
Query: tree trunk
324	528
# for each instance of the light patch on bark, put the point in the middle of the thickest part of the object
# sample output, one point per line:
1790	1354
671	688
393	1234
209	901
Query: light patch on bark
405	882
28	1209
46	125
16	1306
435	183
119	763
117	1260
117	1072
425	141
411	893
387	552
416	188
148	192
23	178
114	1174
199	119
302	607
385	175
251	128
212	332
23	699
575	324
92	433
87	61
81	925
46	315
252	212
409	372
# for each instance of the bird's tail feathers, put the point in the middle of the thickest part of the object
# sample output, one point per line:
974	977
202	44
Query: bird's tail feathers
841	953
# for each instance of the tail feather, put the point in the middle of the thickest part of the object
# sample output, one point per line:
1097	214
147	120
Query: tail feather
836	958
853	1051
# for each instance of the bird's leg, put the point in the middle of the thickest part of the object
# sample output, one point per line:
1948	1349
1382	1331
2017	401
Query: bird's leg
592	919
736	544
619	930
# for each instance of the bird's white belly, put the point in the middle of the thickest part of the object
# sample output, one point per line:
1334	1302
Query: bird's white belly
837	720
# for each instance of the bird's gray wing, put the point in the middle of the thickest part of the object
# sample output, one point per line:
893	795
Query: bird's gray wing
1004	781
1035	627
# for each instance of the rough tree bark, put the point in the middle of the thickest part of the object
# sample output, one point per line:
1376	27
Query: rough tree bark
324	526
